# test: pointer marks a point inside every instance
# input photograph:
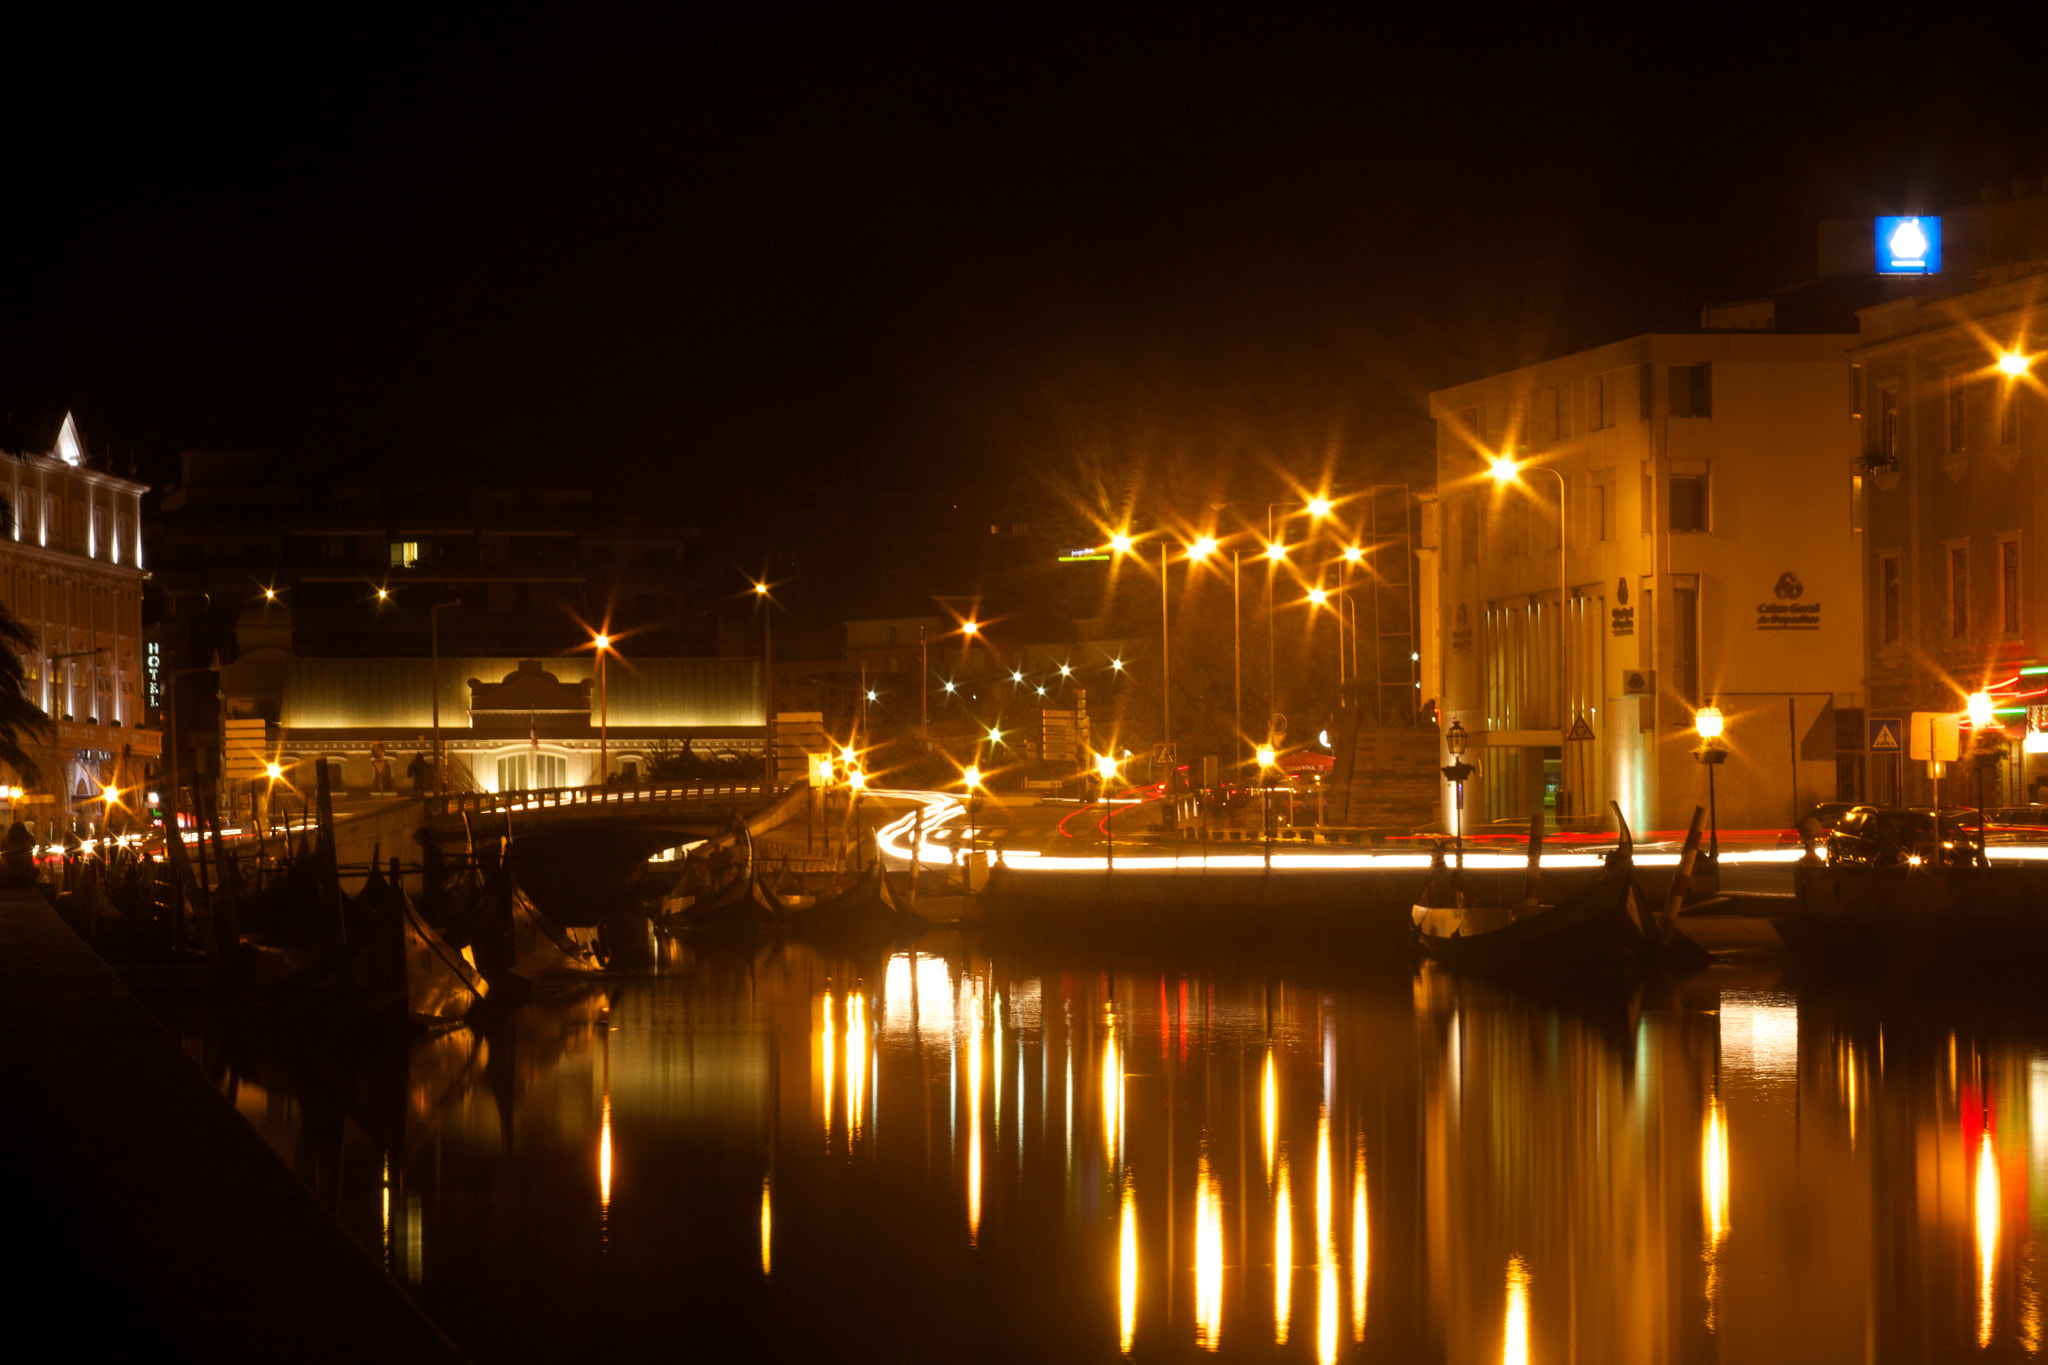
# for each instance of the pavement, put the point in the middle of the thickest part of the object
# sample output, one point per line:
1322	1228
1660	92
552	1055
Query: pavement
151	1220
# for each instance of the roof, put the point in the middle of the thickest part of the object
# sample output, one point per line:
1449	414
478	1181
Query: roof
321	694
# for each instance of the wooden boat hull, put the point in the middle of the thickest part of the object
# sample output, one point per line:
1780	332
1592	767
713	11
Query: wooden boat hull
1601	931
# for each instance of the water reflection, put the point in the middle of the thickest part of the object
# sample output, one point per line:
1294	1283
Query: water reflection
1361	1245
1714	1197
1208	1258
1127	1269
1717	1171
1515	1338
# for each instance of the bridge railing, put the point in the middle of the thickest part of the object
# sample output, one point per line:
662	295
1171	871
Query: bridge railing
597	800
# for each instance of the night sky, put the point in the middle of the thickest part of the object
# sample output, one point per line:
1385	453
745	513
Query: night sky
812	280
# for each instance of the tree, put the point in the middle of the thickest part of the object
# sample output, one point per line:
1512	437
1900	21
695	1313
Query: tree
20	718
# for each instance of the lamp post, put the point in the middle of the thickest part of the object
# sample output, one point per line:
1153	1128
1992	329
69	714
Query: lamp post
434	645
1266	760
1708	723
604	757
970	778
1105	768
767	644
1985	752
1458	772
1506	471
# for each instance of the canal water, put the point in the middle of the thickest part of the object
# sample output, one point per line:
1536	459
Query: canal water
956	1154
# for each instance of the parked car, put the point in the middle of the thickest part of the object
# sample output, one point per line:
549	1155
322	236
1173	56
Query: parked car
1826	815
2016	824
1869	836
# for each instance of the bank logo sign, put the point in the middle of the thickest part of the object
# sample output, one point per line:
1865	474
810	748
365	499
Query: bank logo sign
1909	246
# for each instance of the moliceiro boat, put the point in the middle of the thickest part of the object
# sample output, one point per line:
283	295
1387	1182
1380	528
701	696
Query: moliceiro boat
1602	931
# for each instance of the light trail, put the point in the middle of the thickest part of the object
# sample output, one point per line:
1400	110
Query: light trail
942	811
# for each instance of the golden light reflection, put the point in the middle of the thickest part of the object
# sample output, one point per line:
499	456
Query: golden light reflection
828	1058
1361	1246
1987	1233
1283	1254
767	1222
1515	1349
604	1156
1326	1248
1112	1092
387	1210
1127	1267
856	1065
1269	1114
2030	1306
974	1128
1208	1258
1714	1196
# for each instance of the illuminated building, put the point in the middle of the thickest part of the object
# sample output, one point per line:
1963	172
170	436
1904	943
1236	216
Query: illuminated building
71	571
1709	553
1952	419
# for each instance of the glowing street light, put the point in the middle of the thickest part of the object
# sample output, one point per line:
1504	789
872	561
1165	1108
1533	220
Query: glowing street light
1276	552
1265	757
274	771
1353	554
995	736
1117	665
2014	364
1016	676
1979	706
1121	542
949	689
969	627
1202	548
1317	597
1319	508
970	777
1066	671
270	594
604	767
383	594
1708	723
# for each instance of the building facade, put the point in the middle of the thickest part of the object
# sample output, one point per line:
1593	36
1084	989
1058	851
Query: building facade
1680	531
1954	422
71	571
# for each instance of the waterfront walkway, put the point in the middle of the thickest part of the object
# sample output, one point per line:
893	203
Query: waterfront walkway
151	1221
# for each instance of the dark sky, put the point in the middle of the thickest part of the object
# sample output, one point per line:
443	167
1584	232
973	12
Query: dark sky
735	259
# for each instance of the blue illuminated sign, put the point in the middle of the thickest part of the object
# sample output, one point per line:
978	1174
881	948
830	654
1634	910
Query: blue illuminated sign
1909	246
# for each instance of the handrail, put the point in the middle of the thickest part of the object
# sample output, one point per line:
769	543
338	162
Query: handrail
602	798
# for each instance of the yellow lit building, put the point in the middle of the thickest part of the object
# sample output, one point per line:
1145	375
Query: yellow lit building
1635	531
71	571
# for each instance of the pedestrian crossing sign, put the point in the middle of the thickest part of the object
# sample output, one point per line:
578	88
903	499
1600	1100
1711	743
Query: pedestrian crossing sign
1884	735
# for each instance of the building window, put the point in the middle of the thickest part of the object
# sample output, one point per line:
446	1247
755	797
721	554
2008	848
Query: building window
1468	530
1685	642
1692	390
1689	501
2009	415
2009	585
1888	427
1600	402
1598	514
1956	391
1649	499
404	553
1958	591
1890	606
1855	390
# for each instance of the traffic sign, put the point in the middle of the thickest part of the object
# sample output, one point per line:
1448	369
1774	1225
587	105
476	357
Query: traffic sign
1580	730
1885	733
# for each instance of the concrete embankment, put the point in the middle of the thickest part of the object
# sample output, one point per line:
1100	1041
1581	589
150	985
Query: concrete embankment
150	1221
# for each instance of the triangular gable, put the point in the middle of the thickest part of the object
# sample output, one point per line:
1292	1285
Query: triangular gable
68	448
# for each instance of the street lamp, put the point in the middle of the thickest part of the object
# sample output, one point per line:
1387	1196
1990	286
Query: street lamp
604	763
1266	758
1707	722
767	646
1458	772
1105	770
1505	471
2014	364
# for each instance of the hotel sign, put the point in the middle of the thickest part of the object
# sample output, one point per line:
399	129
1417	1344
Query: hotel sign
1909	246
